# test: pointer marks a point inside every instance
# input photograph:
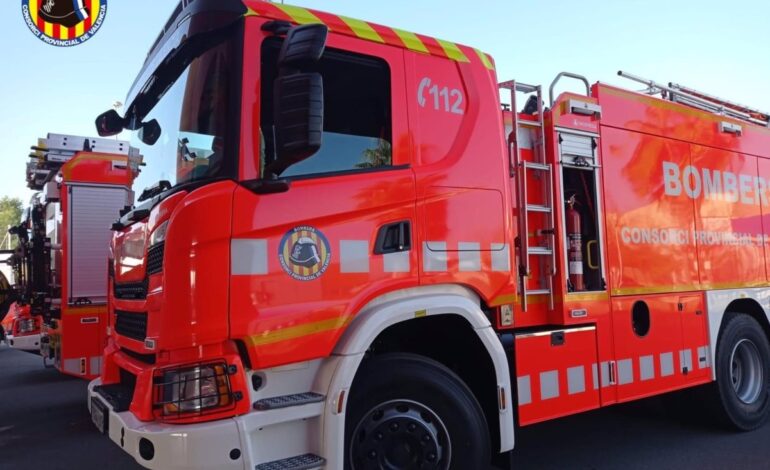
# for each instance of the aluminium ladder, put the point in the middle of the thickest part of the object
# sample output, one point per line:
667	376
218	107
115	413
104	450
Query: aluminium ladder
703	101
520	170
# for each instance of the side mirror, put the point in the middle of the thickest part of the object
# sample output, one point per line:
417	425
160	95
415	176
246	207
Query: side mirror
304	45
298	120
109	123
150	132
298	97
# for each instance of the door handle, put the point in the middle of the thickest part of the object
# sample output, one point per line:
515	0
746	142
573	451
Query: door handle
393	238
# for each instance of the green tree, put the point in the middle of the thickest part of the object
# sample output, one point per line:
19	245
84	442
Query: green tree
10	214
382	155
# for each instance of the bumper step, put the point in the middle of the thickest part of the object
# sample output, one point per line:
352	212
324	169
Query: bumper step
300	462
287	401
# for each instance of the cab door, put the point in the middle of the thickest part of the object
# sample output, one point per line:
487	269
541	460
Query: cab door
303	261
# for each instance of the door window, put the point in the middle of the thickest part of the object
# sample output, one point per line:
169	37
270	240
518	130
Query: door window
357	115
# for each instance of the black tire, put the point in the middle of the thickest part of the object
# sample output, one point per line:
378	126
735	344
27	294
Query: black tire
736	402
405	407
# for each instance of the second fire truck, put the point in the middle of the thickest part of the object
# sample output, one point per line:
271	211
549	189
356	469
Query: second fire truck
348	260
60	266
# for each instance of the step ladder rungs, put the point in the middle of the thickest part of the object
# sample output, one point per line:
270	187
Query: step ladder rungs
537	166
530	123
539	250
538	292
538	208
525	88
287	401
300	462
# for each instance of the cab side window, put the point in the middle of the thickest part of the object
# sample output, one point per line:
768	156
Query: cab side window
357	113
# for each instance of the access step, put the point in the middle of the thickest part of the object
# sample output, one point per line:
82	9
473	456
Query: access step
539	250
537	208
538	292
300	462
286	401
537	166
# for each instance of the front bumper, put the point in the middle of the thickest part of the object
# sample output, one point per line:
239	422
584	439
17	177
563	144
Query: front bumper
29	343
215	444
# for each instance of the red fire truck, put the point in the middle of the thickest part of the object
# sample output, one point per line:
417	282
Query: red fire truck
23	330
7	299
348	261
60	266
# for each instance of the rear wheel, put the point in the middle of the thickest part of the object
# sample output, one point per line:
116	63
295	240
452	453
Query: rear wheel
409	412
742	388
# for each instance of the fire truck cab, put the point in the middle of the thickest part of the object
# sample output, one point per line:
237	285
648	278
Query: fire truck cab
350	256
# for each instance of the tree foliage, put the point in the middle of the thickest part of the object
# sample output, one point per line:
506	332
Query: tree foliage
10	214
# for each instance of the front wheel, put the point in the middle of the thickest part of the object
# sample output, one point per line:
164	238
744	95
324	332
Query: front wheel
742	387
408	412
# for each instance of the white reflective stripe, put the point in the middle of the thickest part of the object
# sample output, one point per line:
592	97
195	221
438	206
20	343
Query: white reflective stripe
523	386
248	257
625	372
685	360
576	380
96	365
396	262
470	256
434	261
646	368
501	258
704	357
605	366
595	374
354	256
666	364
72	366
549	384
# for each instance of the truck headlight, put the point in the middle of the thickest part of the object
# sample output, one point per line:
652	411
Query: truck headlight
192	389
159	234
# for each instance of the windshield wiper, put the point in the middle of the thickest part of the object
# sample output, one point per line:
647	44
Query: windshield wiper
154	190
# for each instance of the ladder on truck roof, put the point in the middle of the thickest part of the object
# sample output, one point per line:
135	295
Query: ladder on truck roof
520	169
703	101
55	150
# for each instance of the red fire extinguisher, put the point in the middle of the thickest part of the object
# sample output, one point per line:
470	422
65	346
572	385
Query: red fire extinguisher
574	246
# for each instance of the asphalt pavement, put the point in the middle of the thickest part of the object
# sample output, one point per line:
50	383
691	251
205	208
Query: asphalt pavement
44	424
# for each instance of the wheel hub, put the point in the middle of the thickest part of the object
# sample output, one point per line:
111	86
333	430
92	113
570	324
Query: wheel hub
746	371
400	435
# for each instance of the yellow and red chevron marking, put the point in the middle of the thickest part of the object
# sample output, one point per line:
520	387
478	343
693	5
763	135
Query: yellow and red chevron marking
57	31
370	32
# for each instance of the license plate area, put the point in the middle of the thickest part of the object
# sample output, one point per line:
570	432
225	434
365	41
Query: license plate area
99	415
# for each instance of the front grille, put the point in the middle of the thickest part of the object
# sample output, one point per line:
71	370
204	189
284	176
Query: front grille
131	324
132	291
155	258
146	358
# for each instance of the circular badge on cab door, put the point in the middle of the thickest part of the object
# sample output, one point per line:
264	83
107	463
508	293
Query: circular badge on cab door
304	253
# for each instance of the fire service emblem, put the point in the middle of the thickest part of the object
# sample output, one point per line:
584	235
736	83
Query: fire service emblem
304	253
64	23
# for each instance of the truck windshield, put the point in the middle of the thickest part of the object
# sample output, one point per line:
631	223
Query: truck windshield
192	114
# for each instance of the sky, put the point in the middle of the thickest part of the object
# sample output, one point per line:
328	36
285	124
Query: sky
711	45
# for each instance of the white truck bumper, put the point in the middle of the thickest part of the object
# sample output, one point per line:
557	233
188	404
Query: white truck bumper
29	343
215	444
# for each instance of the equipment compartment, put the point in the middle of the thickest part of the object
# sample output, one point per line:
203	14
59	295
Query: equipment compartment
557	373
